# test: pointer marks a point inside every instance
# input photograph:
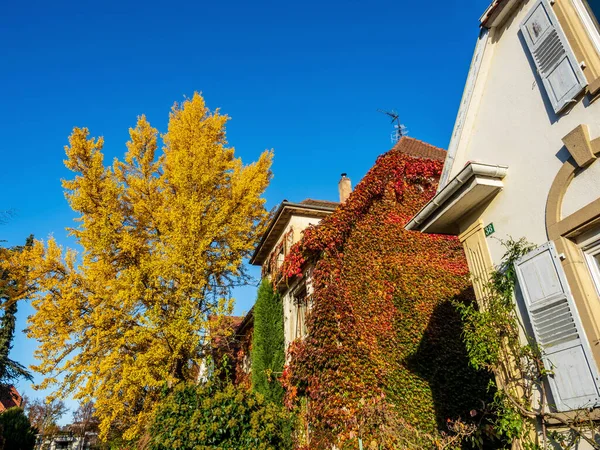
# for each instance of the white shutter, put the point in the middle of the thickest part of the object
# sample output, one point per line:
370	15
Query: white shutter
557	328
553	57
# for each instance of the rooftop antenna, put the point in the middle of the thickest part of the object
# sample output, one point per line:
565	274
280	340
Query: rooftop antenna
399	129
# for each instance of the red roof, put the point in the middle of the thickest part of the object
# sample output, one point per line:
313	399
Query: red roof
10	398
223	329
419	149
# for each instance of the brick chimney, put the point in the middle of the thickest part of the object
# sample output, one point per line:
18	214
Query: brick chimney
345	188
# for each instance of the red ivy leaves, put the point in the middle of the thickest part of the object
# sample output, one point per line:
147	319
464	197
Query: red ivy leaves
391	169
359	335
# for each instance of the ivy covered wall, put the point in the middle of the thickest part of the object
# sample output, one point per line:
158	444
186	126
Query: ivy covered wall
384	350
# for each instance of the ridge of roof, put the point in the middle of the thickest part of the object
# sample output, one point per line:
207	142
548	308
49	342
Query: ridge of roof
324	203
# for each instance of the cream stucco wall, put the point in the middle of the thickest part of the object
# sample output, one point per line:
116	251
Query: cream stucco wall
299	224
290	315
584	189
511	123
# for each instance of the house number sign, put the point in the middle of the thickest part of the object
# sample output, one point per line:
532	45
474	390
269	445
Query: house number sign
489	229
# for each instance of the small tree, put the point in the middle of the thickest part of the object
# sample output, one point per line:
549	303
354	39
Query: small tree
84	419
44	414
268	344
16	430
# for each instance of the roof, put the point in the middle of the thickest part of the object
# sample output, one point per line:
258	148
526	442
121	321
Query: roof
307	208
319	203
9	397
419	149
246	323
493	12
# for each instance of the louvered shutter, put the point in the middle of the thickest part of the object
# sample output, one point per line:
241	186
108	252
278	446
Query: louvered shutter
557	328
553	57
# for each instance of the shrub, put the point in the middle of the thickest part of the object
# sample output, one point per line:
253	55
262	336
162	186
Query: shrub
268	344
218	415
17	432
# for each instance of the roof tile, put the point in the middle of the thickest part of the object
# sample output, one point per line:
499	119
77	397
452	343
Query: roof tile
319	203
419	149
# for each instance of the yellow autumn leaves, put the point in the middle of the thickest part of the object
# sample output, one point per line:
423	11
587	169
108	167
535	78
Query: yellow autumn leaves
163	235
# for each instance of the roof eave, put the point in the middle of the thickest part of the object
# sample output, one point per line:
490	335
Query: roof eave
496	12
255	260
471	187
248	319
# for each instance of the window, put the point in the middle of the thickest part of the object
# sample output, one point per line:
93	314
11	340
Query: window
553	315
301	307
590	244
552	55
280	257
589	12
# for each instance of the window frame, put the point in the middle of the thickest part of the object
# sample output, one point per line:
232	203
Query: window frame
590	247
588	22
593	264
300	300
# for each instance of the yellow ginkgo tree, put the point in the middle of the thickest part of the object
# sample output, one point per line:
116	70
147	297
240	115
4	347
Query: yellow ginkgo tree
163	234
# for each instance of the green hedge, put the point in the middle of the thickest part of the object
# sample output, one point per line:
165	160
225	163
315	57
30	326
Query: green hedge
268	344
215	415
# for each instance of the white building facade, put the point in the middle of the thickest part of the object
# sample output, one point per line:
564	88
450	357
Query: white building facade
523	162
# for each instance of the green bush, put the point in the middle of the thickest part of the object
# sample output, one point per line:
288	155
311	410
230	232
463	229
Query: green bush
215	415
17	432
268	344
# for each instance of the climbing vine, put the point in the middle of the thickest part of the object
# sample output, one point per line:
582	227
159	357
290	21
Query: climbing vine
384	363
272	265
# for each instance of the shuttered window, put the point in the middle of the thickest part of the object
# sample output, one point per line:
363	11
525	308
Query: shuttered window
301	300
556	64
573	379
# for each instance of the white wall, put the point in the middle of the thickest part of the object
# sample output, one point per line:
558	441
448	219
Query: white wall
584	189
514	125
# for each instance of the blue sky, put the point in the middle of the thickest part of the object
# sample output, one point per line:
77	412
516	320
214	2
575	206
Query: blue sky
303	78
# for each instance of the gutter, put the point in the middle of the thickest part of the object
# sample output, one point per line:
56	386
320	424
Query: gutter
491	11
471	170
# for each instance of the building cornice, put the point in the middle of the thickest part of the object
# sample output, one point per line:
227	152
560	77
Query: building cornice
473	185
496	12
279	221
